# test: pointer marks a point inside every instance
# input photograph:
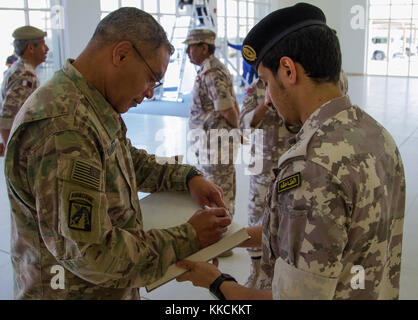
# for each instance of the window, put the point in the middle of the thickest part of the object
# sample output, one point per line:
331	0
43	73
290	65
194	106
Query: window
233	20
392	41
37	13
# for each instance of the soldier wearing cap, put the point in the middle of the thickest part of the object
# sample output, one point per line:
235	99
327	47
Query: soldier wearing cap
73	176
333	219
214	108
20	80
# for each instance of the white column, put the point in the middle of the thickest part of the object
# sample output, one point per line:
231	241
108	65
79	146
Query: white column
81	19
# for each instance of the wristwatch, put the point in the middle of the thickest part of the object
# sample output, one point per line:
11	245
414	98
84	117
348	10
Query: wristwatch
192	173
214	287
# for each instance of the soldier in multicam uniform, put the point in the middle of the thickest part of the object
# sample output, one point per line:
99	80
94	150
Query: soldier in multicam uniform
337	204
214	107
73	176
20	80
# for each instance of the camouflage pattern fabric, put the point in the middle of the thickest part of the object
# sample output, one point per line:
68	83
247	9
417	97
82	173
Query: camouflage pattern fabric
338	202
19	83
275	138
213	92
73	180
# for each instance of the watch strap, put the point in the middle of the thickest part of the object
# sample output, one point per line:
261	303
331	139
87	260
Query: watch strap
214	287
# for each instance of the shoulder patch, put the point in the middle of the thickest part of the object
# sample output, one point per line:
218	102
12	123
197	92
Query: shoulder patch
289	183
27	83
84	173
80	208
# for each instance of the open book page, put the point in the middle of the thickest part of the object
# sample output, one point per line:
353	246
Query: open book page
168	209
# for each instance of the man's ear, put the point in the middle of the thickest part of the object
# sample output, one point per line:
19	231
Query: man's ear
288	69
121	51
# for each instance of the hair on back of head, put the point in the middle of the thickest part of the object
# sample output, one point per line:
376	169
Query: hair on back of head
316	48
134	25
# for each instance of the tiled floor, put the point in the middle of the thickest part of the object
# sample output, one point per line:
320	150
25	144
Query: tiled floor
392	101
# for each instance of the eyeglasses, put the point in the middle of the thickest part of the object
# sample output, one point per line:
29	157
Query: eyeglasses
157	83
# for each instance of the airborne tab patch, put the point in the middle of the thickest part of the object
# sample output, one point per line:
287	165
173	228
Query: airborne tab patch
86	174
79	215
289	183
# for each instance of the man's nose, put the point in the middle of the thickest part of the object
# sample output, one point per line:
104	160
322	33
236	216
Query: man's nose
149	93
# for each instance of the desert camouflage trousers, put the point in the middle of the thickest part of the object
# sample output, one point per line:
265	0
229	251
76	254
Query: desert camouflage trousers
259	185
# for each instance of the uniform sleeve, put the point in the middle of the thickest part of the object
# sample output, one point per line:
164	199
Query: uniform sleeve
67	179
153	175
219	90
311	233
16	94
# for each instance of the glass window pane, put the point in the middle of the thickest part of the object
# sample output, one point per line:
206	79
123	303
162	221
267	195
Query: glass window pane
380	12
232	28
221	28
378	47
109	5
131	3
231	8
40	19
39	4
221	8
415	11
401	12
168	6
242	9
11	4
9	21
150	6
167	22
251	10
399	49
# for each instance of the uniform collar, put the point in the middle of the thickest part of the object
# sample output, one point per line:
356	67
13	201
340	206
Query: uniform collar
26	64
206	64
301	140
109	118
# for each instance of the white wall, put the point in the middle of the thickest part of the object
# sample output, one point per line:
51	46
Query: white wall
81	19
339	17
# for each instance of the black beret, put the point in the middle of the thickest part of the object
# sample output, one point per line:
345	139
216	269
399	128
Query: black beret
277	25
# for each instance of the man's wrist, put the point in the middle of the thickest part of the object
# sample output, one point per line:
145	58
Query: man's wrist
214	288
193	173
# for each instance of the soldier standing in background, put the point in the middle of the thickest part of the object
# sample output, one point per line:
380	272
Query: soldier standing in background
214	107
20	80
73	176
256	113
338	200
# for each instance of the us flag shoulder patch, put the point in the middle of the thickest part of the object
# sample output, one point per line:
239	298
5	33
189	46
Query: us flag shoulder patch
86	174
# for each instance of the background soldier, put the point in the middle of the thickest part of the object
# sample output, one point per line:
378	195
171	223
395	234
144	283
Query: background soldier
338	200
73	177
256	113
214	107
20	79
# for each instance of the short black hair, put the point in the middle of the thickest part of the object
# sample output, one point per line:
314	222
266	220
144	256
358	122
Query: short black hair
316	48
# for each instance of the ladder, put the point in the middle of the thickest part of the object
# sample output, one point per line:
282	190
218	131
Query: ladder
195	17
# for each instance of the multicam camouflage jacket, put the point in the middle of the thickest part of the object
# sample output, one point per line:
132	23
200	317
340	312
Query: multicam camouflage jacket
19	83
73	180
334	221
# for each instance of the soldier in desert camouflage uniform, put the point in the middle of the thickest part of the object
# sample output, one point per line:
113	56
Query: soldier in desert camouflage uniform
338	200
73	177
257	114
214	107
20	80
